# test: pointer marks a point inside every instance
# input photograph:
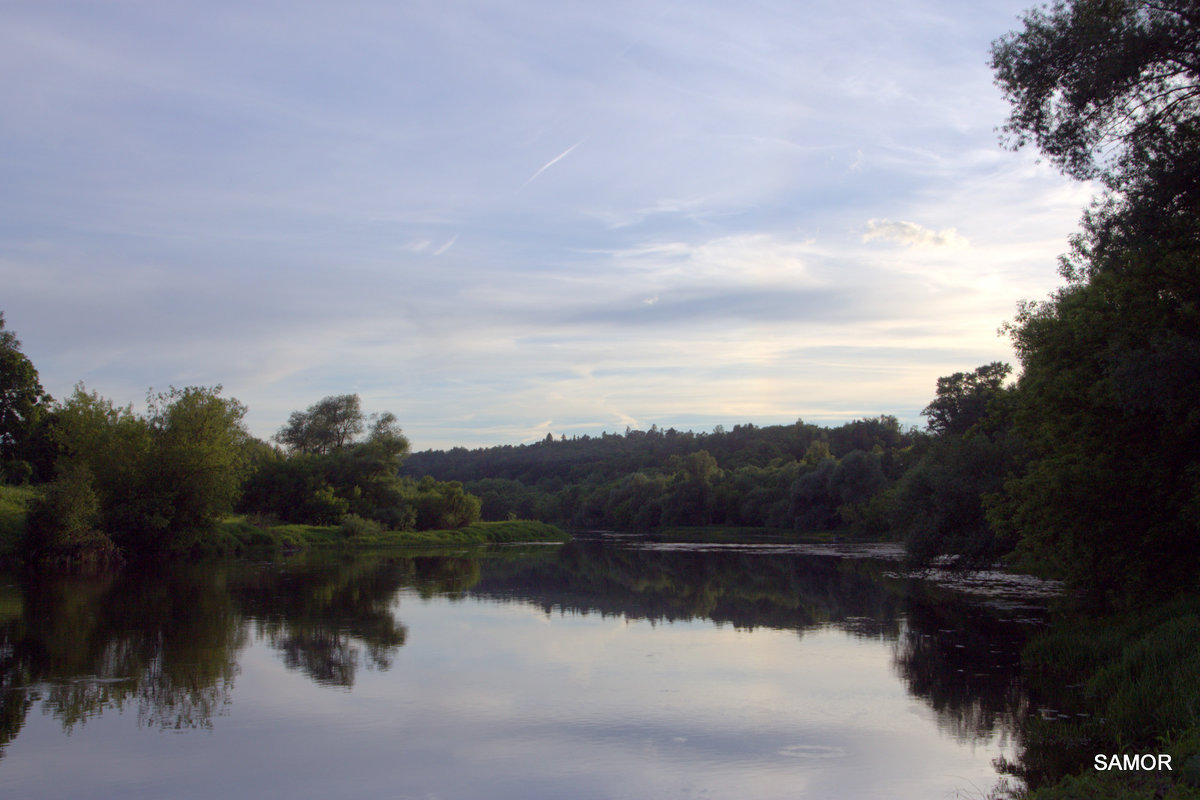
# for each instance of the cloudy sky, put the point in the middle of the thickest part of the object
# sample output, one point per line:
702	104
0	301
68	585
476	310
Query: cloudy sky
498	220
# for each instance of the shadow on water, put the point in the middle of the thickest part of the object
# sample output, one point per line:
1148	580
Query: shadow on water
168	643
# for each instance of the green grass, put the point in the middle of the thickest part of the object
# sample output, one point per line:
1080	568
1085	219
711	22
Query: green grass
13	505
1135	678
237	534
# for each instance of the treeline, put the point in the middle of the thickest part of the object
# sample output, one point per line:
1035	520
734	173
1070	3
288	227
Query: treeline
800	476
118	484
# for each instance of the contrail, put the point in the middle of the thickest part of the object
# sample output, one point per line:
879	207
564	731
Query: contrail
552	162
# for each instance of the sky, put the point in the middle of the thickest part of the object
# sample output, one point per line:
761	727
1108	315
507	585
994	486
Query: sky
502	220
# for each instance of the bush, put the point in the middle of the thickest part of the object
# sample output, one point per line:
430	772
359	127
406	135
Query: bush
354	526
62	524
157	479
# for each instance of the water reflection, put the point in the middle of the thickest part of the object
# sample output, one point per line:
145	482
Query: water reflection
320	615
86	644
962	658
168	644
728	586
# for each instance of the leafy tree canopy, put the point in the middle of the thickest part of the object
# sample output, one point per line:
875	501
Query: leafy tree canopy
1093	81
327	425
23	401
158	477
1107	400
962	398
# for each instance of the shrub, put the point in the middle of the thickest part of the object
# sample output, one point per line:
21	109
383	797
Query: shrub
62	524
354	526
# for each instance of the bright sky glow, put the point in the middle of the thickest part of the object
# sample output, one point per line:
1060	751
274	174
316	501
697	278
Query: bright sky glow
503	220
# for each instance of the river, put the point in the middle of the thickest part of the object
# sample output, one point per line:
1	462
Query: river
609	667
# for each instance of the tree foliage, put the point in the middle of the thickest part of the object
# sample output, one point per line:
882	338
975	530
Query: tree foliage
939	506
1107	401
962	398
64	523
328	478
160	477
327	425
23	406
795	476
1094	82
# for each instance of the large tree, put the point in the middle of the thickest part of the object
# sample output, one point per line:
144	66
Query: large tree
327	425
1093	81
962	398
1107	401
939	506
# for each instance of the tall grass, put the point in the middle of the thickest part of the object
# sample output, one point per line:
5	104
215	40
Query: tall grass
1133	686
14	502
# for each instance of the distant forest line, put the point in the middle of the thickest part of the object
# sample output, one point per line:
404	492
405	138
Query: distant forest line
782	476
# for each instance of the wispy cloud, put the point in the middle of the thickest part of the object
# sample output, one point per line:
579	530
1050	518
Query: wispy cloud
912	234
552	162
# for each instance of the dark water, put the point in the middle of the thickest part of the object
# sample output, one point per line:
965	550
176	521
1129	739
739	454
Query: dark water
599	669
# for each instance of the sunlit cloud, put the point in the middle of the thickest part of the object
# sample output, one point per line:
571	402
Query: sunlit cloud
912	234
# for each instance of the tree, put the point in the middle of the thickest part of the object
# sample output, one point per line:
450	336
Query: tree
328	475
962	398
23	404
386	438
939	505
63	522
327	425
199	453
690	500
442	505
1106	403
159	478
1092	82
856	478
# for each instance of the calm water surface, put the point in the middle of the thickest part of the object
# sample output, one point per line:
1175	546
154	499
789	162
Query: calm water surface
599	669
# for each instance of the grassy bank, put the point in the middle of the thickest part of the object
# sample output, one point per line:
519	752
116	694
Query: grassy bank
1132	687
238	534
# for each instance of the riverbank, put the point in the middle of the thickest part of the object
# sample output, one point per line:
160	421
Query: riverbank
238	534
1133	690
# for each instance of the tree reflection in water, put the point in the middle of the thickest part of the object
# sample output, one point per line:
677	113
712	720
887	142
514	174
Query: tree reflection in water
959	657
167	642
81	644
321	614
965	663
